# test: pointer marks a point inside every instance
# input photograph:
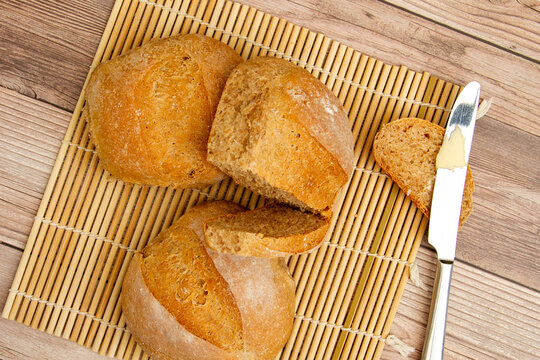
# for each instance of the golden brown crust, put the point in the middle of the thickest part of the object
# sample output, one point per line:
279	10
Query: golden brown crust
156	330
182	277
262	289
271	231
279	131
150	110
406	149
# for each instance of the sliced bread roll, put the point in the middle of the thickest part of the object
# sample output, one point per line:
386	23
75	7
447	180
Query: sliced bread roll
271	231
280	132
184	301
150	111
406	149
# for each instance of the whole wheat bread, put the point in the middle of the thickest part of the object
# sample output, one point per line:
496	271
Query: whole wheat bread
406	149
282	133
150	110
271	231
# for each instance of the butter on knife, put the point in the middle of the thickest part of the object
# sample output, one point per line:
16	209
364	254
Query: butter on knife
452	153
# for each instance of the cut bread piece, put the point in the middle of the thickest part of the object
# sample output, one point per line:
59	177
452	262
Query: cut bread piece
271	231
282	133
406	149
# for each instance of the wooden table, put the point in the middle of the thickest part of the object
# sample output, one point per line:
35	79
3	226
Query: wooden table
46	48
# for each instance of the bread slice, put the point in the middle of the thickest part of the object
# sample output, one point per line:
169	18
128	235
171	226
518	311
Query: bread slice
185	301
150	110
406	149
271	231
280	132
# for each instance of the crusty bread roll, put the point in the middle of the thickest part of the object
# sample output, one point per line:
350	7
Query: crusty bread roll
406	149
271	231
280	132
150	110
182	300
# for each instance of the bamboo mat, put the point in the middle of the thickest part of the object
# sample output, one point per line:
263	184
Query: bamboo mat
89	224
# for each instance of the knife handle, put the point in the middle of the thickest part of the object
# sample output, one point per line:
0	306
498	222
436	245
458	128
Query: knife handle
434	344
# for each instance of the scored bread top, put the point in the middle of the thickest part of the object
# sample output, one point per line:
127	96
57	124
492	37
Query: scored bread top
262	289
150	110
271	231
183	278
281	132
406	149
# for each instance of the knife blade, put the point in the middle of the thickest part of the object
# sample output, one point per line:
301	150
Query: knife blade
452	162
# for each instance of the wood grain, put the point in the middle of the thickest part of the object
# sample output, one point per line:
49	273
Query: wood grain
488	318
64	49
504	223
507	218
402	38
47	46
512	25
22	342
45	52
30	135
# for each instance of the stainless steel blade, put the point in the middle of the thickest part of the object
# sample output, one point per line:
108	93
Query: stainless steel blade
449	183
452	163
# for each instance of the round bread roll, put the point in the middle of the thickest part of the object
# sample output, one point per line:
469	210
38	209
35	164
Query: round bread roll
182	300
282	133
150	111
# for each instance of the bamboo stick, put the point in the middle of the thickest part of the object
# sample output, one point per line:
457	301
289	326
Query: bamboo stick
241	28
329	290
418	82
29	280
54	246
357	302
102	266
338	287
258	33
299	328
75	248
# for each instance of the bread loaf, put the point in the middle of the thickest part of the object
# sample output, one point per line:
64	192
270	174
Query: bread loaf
271	231
406	149
280	132
150	111
182	300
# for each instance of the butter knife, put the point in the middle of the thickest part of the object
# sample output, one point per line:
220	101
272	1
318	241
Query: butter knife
445	211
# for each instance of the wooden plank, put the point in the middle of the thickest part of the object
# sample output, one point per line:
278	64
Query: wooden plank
57	45
491	317
22	342
488	317
512	25
500	162
397	37
47	46
501	235
30	135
